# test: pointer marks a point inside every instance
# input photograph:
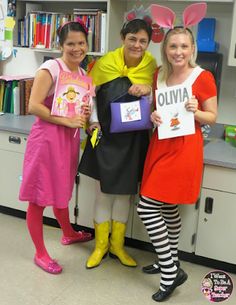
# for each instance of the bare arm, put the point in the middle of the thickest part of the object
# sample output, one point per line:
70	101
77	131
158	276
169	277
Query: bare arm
209	113
42	83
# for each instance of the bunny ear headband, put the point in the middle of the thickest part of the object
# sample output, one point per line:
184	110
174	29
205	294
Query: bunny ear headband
165	17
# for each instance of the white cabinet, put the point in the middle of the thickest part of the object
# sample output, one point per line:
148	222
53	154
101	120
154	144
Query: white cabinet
86	200
189	219
216	224
12	147
232	48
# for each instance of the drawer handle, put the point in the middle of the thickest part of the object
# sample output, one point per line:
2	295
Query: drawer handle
15	140
209	205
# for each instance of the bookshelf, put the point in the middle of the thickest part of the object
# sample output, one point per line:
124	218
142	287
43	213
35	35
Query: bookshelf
114	14
115	11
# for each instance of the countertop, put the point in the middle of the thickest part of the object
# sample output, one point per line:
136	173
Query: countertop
216	151
16	123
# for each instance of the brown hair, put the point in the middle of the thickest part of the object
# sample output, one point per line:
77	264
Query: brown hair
67	27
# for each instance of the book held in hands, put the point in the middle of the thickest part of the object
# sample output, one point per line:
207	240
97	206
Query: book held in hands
72	92
170	104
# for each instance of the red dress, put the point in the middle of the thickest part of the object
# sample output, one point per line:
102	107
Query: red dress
173	167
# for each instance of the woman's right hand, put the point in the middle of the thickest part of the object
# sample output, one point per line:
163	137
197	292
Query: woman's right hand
93	126
156	118
78	121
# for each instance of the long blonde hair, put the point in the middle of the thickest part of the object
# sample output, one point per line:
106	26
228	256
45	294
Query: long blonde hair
166	67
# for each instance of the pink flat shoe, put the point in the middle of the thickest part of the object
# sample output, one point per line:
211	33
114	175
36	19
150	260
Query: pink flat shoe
51	266
82	236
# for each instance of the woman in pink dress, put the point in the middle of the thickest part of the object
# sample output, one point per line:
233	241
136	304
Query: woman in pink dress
52	152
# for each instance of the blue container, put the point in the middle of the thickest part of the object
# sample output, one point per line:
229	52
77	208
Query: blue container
206	35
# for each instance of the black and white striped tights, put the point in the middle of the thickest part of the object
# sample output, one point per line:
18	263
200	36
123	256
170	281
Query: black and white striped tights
163	224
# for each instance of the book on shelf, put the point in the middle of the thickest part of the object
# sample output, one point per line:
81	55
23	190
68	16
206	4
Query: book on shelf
27	92
25	86
16	100
2	87
72	92
22	97
42	28
176	120
6	107
103	32
97	32
14	94
20	32
96	22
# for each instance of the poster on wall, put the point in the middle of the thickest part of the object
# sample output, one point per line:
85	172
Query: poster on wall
7	23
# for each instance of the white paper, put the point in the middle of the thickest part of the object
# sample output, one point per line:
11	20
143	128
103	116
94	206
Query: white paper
170	103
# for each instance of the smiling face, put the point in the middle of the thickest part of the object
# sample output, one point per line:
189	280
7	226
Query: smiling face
74	48
71	95
135	44
179	50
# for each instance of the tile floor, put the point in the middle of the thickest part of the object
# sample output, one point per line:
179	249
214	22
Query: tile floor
23	283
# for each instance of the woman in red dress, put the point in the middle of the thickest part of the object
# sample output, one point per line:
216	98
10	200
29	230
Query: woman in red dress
173	167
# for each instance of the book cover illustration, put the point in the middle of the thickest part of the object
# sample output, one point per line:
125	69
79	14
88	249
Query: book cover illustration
130	111
72	92
170	103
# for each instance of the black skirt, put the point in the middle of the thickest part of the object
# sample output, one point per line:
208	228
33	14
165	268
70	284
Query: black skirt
118	160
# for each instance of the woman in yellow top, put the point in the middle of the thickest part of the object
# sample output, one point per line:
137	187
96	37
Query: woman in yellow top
117	161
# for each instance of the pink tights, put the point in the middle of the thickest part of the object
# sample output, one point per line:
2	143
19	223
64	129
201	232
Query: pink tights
34	220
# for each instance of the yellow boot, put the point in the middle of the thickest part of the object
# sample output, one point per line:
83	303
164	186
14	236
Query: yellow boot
101	244
117	240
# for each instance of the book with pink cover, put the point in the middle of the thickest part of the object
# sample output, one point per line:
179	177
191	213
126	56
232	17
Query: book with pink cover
72	92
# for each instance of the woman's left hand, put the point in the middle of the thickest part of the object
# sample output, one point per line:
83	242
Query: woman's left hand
192	104
140	89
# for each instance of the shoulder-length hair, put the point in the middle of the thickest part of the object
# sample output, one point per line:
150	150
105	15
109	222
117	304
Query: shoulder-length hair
166	67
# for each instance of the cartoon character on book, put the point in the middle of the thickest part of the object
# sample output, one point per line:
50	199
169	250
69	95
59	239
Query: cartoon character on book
131	112
174	122
71	102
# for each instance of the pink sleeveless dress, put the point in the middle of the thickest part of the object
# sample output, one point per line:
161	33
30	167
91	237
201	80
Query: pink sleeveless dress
51	157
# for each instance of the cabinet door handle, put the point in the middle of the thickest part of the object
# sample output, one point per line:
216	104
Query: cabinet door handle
209	205
15	140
